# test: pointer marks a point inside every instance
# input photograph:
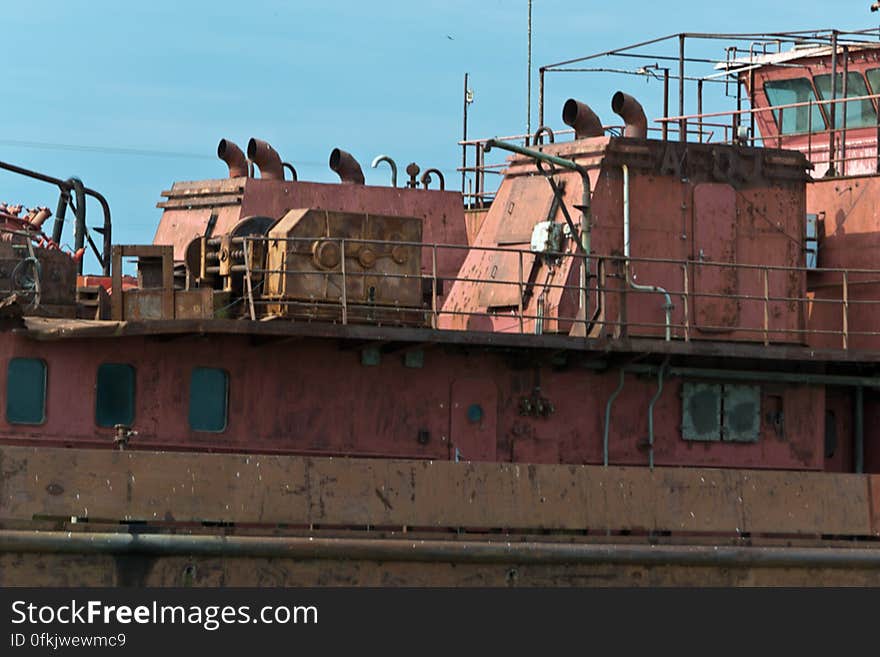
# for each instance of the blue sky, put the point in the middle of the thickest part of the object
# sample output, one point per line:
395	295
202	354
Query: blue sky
369	77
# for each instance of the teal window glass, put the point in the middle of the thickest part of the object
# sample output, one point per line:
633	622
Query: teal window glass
794	119
208	395
873	76
859	113
26	391
114	395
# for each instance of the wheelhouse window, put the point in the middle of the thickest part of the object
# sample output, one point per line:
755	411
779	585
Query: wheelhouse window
114	395
794	120
26	391
873	76
859	113
208	396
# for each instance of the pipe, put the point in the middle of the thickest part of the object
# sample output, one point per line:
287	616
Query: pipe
611	399
289	167
428	551
266	158
391	163
40	217
754	375
859	430
63	199
426	178
584	207
229	152
632	113
636	286
651	412
582	118
346	167
538	137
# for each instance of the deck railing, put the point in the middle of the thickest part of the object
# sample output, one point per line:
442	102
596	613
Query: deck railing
766	304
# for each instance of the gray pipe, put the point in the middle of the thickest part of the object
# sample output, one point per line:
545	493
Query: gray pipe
307	547
611	399
391	163
636	286
651	412
753	375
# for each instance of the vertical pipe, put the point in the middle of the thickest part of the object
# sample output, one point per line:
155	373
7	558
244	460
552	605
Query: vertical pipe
519	305
434	304
766	306
736	117
654	399
464	135
752	106
667	306
859	446
845	94
833	104
665	104
608	417
845	311
529	81
700	109
682	126
541	96
344	291
687	322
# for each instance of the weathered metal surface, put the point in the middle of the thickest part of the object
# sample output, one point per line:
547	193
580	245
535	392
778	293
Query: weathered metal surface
313	254
68	570
268	490
742	413
701	411
351	419
849	231
715	241
786	356
230	200
764	206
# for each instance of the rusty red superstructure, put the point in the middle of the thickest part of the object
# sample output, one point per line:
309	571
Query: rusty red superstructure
654	312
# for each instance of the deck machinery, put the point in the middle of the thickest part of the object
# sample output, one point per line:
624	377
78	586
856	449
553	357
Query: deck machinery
649	356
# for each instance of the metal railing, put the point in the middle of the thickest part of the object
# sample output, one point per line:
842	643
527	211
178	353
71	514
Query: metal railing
766	304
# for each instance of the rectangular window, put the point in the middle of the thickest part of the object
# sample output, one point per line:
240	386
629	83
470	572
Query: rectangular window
26	391
208	395
716	412
859	113
114	395
795	120
873	76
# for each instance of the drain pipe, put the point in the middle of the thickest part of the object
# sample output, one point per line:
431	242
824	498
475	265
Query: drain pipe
608	417
636	286
654	399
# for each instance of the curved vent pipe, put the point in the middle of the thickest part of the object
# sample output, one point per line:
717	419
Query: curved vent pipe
582	118
346	167
632	113
266	158
230	153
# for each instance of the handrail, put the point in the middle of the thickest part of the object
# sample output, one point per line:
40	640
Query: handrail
825	300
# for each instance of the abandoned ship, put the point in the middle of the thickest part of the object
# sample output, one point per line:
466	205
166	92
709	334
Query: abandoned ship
650	355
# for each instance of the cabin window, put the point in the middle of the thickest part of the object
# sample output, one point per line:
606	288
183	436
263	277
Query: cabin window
873	76
26	391
208	396
794	120
859	113
114	395
727	412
